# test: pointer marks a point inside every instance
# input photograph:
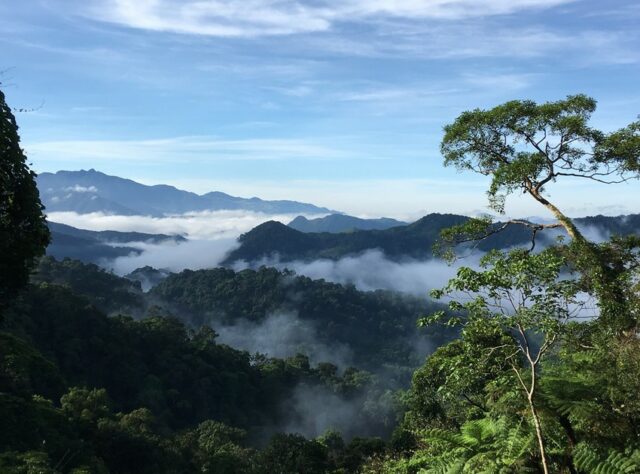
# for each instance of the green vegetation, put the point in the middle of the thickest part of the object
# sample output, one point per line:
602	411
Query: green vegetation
278	242
545	374
537	370
23	230
78	389
379	327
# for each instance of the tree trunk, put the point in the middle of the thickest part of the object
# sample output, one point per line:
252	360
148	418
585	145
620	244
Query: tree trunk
571	229
603	280
571	441
536	423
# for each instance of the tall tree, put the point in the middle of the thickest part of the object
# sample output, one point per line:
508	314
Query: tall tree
525	147
24	234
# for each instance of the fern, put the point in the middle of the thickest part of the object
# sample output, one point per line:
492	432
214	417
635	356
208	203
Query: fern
481	446
612	461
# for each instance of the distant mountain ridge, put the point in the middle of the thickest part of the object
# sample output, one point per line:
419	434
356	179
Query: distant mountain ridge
95	246
337	223
87	191
272	240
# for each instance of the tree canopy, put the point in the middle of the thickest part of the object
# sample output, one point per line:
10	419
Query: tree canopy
24	234
525	146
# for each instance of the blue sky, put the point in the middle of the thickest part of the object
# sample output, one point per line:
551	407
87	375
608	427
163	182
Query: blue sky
337	103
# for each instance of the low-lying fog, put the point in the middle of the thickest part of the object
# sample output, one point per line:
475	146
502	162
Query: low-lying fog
212	234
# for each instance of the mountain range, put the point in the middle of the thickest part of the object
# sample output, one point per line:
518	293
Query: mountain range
87	191
274	240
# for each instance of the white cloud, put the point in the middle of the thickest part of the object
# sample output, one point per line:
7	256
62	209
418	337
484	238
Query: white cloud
175	257
185	149
372	270
81	189
241	18
283	334
209	225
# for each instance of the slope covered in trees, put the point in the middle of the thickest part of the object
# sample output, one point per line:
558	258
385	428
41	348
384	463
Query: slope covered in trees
378	327
543	377
336	223
273	240
80	390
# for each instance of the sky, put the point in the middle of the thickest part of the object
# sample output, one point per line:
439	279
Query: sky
341	103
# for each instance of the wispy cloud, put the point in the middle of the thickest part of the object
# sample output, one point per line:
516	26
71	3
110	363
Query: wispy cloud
187	149
394	93
238	18
479	39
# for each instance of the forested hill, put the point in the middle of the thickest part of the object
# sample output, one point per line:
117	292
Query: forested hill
161	393
275	240
410	241
95	246
269	311
83	392
342	223
371	329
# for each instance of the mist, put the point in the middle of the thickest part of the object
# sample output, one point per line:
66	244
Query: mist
372	270
203	225
173	256
312	411
281	335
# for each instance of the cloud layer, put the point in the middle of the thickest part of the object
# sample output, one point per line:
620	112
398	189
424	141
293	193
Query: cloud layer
372	270
205	225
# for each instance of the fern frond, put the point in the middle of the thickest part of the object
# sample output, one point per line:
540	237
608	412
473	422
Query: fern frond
612	462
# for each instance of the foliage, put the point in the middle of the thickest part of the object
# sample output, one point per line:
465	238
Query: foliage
374	325
23	230
524	146
108	292
577	366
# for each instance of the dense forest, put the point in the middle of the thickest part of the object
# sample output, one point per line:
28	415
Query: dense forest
537	365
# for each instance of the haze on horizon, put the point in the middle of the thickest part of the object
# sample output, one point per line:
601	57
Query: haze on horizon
337	104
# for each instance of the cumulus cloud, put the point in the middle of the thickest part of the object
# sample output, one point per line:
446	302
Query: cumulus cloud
238	18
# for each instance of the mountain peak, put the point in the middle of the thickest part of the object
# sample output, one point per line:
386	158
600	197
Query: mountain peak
87	191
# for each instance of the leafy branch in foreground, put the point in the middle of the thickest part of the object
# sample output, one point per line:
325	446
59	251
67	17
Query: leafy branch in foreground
525	297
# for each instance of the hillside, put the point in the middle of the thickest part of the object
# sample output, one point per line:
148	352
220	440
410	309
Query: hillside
92	191
377	328
151	396
97	246
336	223
273	240
415	240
